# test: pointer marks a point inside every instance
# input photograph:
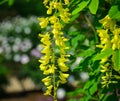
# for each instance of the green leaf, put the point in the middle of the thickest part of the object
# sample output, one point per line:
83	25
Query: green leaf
74	17
75	40
83	64
116	60
80	7
88	84
93	6
72	100
114	12
10	2
87	52
103	54
105	97
75	92
93	88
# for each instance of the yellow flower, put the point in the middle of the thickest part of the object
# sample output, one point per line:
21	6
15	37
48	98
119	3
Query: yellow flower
103	60
46	50
105	41
63	77
104	78
43	22
63	67
108	23
45	2
46	72
57	26
57	5
45	59
65	16
53	19
66	2
50	70
45	39
52	61
43	67
115	40
49	90
51	4
47	81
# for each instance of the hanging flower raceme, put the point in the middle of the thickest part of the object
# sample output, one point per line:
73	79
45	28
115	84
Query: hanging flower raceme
52	63
109	40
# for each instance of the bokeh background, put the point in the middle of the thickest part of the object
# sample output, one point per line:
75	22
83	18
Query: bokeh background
19	50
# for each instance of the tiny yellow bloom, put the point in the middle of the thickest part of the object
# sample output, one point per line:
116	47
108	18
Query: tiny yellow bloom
52	68
108	23
47	81
53	19
43	67
45	2
103	60
66	2
43	22
46	50
104	78
63	67
63	75
49	90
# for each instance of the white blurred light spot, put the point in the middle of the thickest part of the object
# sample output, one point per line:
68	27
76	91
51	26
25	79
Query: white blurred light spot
18	29
61	93
1	50
27	30
77	61
84	76
15	48
35	53
18	41
17	58
24	59
71	79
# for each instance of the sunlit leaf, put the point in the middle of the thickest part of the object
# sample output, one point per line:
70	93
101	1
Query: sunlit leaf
116	60
93	88
81	6
114	12
93	6
10	2
103	54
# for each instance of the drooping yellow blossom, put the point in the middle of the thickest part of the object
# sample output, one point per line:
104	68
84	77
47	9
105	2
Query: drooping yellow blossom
45	2
53	64
65	15
49	90
62	65
109	39
63	77
116	39
66	2
51	4
47	81
108	23
105	41
43	22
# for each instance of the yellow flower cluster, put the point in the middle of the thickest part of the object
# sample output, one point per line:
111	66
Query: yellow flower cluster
53	64
109	38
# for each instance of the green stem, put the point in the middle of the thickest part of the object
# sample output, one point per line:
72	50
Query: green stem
92	27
